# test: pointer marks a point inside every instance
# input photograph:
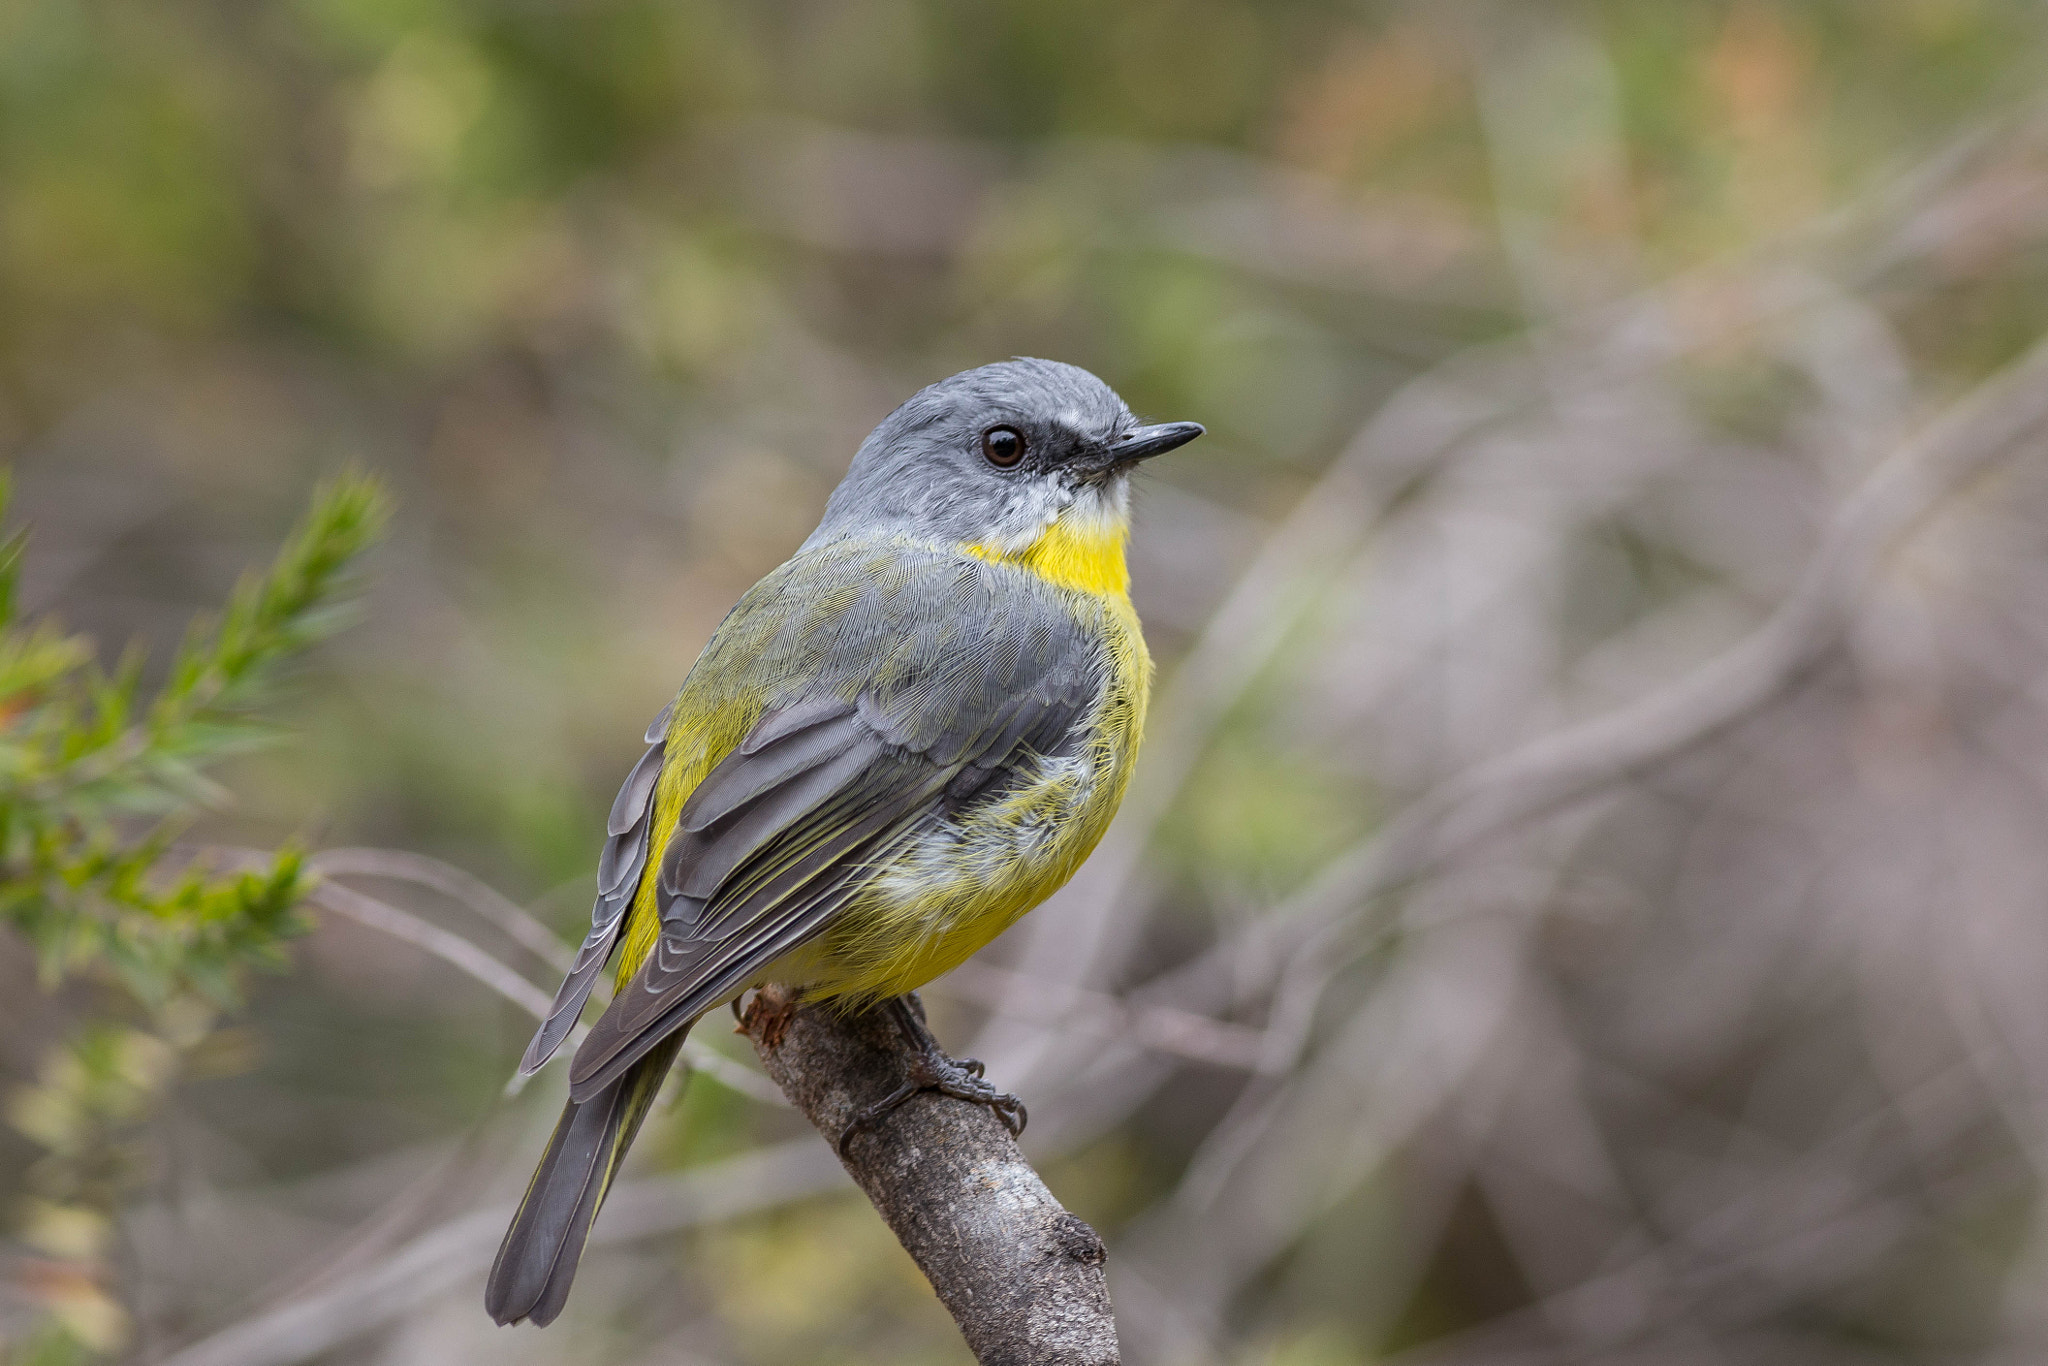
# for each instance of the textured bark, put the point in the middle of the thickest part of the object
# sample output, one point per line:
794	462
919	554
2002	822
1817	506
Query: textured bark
1022	1277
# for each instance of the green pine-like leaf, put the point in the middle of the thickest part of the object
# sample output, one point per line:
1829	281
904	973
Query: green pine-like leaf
96	783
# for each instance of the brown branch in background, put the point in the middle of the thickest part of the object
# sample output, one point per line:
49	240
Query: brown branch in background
1052	1005
1022	1277
453	949
464	888
457	1253
449	947
1998	418
460	953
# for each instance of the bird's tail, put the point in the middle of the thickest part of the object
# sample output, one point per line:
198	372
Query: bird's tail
537	1260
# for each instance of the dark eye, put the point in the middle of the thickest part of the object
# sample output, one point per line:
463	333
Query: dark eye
1002	446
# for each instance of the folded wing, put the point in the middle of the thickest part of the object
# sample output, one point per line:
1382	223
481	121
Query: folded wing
618	878
968	675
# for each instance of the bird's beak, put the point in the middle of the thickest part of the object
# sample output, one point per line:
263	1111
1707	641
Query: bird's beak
1146	442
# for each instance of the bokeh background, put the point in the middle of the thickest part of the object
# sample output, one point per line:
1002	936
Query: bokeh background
1586	896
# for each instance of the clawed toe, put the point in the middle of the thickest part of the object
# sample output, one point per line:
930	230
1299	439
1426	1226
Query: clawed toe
932	1070
1011	1112
965	1083
868	1117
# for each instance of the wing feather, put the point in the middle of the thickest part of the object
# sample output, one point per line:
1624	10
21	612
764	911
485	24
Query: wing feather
692	968
619	867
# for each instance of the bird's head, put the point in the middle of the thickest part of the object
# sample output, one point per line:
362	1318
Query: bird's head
996	458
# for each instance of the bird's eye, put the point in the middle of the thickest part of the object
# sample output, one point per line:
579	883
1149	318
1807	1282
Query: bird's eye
1002	446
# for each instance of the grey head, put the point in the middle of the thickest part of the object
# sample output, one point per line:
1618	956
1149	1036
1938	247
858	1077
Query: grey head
995	455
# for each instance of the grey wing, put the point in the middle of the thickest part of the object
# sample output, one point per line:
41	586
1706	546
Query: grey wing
618	878
788	828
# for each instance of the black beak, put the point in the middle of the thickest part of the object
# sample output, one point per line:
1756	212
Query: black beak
1146	442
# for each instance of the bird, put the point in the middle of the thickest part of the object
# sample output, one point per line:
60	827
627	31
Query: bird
895	744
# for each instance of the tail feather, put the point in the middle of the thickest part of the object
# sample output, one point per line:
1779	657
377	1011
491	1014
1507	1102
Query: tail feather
537	1261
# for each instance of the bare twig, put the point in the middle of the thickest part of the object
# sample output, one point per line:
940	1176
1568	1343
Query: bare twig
1162	1029
449	947
460	1250
453	949
1022	1277
465	889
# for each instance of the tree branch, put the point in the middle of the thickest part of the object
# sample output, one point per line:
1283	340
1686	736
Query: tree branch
1022	1277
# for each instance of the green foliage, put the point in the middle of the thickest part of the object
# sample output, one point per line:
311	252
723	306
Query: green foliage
95	785
96	782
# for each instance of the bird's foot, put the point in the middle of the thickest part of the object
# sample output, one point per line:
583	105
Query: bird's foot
931	1070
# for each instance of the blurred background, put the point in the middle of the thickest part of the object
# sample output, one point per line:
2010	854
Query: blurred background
1586	894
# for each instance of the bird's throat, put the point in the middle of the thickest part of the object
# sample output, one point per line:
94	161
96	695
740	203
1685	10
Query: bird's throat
1085	554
